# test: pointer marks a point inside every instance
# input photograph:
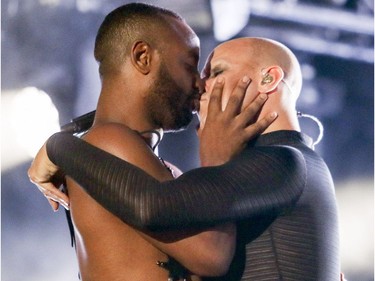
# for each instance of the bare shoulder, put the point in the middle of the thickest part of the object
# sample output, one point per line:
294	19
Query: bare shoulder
117	241
128	145
115	138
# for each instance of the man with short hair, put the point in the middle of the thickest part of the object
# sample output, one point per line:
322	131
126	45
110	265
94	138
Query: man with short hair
148	60
278	190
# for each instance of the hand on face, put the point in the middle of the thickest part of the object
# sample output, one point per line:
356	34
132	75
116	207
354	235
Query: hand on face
225	133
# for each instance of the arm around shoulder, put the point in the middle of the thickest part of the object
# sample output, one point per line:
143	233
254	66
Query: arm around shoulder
259	180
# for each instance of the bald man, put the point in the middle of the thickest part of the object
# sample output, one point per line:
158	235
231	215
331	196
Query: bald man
278	190
143	93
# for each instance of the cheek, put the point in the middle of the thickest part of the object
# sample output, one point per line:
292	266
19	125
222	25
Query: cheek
229	87
251	94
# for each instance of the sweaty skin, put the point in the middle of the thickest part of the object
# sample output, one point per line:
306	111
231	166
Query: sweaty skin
295	202
278	190
163	97
133	256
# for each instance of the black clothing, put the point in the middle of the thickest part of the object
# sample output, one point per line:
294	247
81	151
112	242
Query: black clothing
278	190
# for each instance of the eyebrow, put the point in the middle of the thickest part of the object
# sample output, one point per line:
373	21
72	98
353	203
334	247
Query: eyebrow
219	66
216	67
194	53
219	63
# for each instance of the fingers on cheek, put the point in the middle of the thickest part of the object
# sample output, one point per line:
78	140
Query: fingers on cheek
218	84
224	100
225	97
208	85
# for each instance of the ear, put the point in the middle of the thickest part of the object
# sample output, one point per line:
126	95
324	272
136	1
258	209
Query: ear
141	55
271	77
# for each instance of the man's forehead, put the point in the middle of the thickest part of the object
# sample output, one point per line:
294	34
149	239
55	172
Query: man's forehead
194	44
182	33
222	57
232	52
194	39
231	46
190	41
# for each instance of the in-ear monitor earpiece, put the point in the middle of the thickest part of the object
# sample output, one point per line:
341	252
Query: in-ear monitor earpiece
267	79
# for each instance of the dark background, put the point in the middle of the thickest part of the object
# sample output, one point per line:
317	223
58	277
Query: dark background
48	44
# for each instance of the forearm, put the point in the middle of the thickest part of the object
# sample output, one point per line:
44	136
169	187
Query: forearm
200	197
207	252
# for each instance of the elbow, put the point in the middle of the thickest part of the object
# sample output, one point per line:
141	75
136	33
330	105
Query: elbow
216	257
213	266
218	266
209	253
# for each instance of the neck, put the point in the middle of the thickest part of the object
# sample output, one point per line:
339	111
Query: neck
287	118
125	106
284	123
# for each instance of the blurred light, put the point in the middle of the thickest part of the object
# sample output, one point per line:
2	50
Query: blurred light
34	117
12	8
356	213
85	6
53	3
315	15
229	17
310	96
339	2
315	45
29	117
308	71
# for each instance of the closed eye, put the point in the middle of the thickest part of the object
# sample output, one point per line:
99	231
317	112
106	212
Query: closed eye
216	72
192	68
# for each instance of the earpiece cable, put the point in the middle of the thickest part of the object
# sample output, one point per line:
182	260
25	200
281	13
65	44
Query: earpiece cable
317	121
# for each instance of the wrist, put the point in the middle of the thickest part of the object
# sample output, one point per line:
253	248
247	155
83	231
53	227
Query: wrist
211	161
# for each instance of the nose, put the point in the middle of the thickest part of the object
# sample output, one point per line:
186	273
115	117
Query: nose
207	85
199	84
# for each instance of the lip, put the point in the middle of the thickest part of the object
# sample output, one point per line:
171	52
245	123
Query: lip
195	104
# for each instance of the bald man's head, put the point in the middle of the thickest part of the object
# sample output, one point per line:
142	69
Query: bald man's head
272	68
259	54
267	52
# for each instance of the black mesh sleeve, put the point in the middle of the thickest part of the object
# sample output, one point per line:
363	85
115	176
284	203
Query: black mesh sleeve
262	180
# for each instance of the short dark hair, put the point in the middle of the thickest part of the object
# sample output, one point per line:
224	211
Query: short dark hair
124	25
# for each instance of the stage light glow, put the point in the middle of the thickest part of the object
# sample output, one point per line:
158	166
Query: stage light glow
86	6
29	117
51	3
229	17
356	211
34	117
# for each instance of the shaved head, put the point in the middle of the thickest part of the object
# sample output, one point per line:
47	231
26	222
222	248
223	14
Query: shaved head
272	68
267	52
258	54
